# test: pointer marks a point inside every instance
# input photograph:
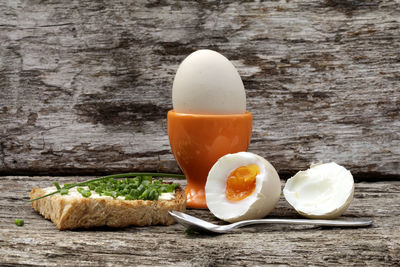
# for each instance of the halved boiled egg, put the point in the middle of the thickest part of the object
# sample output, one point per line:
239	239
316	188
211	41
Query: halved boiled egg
324	191
242	186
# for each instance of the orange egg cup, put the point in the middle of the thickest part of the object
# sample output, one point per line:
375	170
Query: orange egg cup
198	141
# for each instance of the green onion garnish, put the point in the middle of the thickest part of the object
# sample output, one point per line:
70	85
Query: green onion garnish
64	191
84	193
142	186
19	222
57	185
189	231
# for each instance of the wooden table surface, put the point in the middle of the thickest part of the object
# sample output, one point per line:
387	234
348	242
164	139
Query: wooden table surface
39	242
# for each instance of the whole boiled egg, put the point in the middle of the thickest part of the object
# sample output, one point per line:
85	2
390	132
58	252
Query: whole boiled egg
242	186
324	191
206	82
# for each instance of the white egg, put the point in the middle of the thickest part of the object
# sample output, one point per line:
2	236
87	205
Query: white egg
206	82
241	199
323	191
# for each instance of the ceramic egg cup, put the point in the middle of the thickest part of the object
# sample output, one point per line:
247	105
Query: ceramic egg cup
198	141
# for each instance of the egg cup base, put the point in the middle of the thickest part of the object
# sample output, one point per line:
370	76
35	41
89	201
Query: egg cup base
196	199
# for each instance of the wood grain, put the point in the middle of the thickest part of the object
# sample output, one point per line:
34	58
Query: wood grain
40	243
85	85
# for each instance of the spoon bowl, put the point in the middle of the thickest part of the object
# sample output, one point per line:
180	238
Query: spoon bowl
200	225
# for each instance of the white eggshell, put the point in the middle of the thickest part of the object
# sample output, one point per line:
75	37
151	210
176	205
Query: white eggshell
324	191
255	206
206	82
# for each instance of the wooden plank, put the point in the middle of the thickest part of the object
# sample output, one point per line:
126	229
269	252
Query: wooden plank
85	85
40	243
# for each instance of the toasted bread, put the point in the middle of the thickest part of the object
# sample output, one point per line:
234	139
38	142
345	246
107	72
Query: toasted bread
80	212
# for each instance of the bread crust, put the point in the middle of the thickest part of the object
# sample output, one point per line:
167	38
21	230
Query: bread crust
80	212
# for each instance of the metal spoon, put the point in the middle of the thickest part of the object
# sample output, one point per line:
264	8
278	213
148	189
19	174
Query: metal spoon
203	226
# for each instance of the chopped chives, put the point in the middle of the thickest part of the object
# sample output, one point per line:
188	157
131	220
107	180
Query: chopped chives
130	188
84	193
19	222
57	185
64	191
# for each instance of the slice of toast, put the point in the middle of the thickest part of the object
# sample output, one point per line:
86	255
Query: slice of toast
80	212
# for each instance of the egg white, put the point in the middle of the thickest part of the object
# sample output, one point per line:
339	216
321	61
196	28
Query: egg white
258	204
324	191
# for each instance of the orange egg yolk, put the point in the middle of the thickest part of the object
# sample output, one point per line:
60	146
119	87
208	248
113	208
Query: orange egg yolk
241	182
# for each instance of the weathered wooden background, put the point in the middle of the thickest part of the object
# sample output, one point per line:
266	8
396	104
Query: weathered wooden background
85	86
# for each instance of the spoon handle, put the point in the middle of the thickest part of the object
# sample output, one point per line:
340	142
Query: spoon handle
348	223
